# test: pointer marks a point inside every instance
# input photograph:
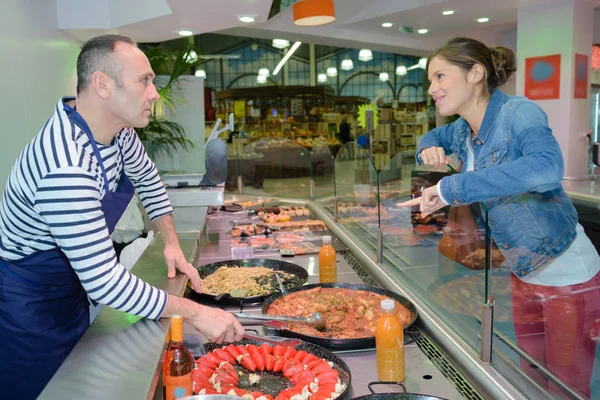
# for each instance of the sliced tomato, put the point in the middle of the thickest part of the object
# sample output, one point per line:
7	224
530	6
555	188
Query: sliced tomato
236	392
265	349
243	350
259	360
206	362
304	375
204	371
321	395
223	355
309	358
200	379
226	388
247	362
311	364
212	358
292	369
326	387
269	362
289	352
233	351
252	348
322	366
278	350
332	373
279	364
299	356
288	393
206	390
228	368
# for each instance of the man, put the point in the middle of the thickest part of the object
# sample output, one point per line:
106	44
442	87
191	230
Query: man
64	195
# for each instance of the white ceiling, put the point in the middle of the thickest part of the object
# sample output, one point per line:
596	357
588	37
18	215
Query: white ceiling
358	22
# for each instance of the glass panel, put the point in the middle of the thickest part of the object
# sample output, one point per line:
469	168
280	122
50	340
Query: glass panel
278	168
547	292
357	193
321	162
441	255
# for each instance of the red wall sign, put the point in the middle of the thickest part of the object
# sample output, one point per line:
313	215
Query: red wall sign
581	76
542	77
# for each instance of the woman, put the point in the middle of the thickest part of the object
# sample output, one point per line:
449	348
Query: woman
511	163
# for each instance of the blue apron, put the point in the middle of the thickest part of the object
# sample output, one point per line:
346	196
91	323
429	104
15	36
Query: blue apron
44	310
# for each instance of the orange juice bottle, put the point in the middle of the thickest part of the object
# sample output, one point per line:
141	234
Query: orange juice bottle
389	344
327	262
179	364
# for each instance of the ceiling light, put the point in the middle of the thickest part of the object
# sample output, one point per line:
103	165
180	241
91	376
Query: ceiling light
185	33
261	79
448	12
264	72
387	24
423	62
201	73
191	56
384	77
422	31
401	70
365	55
281	43
321	78
332	71
314	12
347	64
246	19
484	19
286	57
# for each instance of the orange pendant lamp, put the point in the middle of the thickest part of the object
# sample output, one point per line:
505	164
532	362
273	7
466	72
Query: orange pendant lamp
314	12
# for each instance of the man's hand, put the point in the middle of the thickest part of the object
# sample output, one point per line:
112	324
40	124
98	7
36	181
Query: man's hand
429	202
217	326
177	261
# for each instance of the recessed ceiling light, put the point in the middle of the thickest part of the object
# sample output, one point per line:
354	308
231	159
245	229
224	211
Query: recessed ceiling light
387	25
422	31
448	12
246	18
185	33
484	19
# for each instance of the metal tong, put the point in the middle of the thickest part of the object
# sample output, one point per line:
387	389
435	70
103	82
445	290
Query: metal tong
315	320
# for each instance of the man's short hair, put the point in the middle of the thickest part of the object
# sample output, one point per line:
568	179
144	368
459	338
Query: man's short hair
97	54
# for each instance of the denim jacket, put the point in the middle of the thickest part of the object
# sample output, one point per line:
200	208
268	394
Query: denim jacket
518	167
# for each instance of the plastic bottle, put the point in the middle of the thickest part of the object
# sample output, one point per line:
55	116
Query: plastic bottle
178	364
327	262
389	344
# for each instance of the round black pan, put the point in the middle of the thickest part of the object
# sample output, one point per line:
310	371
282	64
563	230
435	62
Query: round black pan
205	270
343	371
395	396
341	344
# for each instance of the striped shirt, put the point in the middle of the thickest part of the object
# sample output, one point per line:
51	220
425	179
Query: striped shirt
52	199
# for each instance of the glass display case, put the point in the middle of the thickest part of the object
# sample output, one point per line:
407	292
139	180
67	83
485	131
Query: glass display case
450	264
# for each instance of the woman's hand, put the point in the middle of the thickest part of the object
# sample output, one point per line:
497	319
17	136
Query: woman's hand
429	202
216	325
434	156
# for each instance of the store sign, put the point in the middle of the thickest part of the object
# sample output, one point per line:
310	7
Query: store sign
542	77
581	76
239	109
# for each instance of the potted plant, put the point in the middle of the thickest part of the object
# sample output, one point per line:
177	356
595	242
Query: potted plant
162	135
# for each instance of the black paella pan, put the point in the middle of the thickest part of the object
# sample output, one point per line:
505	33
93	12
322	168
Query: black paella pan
299	273
342	343
395	396
345	376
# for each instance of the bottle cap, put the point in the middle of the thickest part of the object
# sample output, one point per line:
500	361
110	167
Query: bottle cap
387	305
176	319
327	239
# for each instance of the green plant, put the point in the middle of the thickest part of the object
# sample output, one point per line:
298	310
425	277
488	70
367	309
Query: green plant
162	136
